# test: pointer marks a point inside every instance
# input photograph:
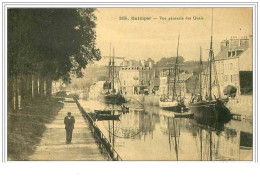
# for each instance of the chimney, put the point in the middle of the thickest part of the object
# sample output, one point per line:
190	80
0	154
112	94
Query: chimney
250	41
143	63
223	45
244	42
234	43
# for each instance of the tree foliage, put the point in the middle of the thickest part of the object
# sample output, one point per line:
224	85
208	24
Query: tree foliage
51	42
169	62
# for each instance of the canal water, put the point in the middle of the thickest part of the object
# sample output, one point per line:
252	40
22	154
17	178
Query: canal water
153	134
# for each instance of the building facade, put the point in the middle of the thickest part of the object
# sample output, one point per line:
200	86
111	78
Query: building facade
234	64
166	83
137	79
129	80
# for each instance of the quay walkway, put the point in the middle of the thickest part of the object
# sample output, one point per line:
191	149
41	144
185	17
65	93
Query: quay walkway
53	145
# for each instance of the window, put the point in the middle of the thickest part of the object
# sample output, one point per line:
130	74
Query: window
226	78
239	52
233	53
229	54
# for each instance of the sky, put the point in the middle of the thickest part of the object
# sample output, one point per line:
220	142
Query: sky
157	38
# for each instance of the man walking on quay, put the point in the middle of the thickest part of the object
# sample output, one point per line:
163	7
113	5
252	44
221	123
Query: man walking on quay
69	126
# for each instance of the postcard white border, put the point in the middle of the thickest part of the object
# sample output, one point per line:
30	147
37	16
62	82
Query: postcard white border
189	171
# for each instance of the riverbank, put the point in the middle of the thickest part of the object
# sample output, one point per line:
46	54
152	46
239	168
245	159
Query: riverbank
26	127
242	105
53	146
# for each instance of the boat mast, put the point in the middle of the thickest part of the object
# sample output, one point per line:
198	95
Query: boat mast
113	71
168	82
109	67
210	60
200	71
175	71
178	72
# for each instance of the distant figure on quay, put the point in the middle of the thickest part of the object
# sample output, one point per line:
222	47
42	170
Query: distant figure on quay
69	126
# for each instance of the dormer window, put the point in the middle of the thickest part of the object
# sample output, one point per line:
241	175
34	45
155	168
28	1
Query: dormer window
239	52
231	53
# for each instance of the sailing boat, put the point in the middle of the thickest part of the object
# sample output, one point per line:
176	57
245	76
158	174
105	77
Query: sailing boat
205	108
176	102
113	97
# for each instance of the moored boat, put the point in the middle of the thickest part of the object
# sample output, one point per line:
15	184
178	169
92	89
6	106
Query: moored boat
175	105
205	108
176	102
102	117
210	111
106	115
112	97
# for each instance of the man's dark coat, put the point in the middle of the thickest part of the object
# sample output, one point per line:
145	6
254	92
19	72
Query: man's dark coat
69	123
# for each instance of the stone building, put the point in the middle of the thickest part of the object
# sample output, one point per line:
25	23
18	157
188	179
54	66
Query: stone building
234	64
136	77
129	80
166	82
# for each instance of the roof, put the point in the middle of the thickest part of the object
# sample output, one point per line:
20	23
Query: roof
245	57
185	77
223	54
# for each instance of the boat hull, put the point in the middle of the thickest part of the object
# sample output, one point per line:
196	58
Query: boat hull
103	112
102	117
114	99
174	106
210	112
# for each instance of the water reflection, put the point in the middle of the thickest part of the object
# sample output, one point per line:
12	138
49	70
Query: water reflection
153	134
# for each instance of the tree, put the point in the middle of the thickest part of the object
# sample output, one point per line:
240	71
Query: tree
169	62
49	44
